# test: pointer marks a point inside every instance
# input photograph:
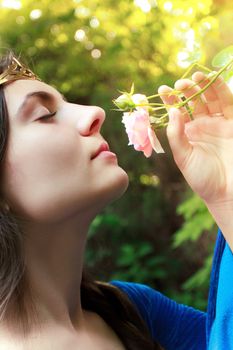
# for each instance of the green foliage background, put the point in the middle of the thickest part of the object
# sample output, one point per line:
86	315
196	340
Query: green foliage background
159	233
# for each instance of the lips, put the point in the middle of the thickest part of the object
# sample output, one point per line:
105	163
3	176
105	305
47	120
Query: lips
104	147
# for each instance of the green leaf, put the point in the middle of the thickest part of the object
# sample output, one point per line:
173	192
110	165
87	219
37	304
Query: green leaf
145	249
193	229
200	277
223	57
132	89
227	75
191	206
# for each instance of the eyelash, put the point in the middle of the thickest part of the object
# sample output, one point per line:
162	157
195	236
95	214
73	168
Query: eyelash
48	116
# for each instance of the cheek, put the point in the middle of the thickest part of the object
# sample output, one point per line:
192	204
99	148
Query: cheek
41	172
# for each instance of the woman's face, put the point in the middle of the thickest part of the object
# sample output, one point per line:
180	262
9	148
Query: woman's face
56	165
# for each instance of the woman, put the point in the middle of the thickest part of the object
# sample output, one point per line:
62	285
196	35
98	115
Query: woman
57	174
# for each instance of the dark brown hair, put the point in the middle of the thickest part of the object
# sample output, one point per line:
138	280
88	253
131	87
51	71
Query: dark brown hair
105	299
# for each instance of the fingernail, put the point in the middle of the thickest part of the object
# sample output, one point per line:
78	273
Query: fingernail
211	74
180	84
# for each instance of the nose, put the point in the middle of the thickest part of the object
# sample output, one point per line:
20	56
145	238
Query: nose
90	119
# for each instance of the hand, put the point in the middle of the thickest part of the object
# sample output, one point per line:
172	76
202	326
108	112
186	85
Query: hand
203	147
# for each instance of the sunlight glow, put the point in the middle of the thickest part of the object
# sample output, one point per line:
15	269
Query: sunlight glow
80	35
184	25
168	6
35	14
96	53
190	11
82	12
207	25
182	59
190	39
12	4
94	22
144	5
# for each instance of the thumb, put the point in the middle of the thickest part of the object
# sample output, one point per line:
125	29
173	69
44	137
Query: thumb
180	146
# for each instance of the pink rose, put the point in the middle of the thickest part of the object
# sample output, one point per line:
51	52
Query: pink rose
128	101
140	101
140	133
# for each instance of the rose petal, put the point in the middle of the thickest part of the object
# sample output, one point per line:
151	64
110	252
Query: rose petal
140	99
154	141
137	125
147	150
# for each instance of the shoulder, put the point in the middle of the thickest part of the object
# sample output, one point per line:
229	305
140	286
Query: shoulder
148	301
139	294
142	295
169	322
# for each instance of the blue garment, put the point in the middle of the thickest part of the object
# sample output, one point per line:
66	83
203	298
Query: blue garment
179	327
174	326
214	291
221	327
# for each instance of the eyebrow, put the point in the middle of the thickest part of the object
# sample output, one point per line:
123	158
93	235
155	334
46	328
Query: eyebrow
42	95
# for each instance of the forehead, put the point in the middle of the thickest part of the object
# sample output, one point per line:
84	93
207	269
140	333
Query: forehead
16	92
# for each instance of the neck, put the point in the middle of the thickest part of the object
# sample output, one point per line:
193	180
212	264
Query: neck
54	264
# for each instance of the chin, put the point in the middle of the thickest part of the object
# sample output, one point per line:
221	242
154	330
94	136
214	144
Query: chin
122	184
114	187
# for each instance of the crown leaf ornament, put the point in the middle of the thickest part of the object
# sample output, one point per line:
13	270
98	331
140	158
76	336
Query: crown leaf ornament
15	71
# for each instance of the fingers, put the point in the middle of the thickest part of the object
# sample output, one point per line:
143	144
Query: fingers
223	92
218	96
166	95
170	99
189	88
225	97
216	99
181	148
211	98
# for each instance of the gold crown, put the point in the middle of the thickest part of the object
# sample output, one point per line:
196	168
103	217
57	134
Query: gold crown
16	71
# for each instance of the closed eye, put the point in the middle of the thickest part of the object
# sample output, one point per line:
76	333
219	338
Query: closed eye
47	116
